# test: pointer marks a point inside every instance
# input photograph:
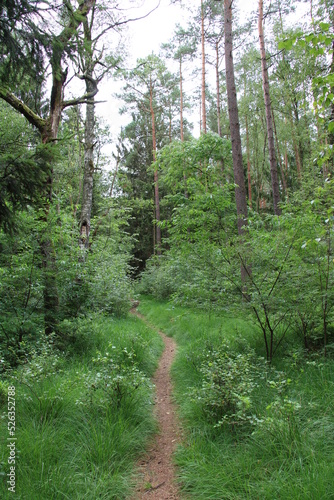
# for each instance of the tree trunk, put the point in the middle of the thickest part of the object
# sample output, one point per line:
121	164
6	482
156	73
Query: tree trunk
49	266
87	194
218	89
156	183
285	187
271	143
181	101
203	128
331	134
181	123
248	165
238	169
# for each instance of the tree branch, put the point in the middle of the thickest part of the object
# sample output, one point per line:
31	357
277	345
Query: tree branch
23	109
84	99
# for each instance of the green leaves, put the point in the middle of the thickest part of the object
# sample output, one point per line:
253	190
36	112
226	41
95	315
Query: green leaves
228	380
288	43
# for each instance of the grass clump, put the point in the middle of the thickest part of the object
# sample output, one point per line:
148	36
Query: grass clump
254	430
83	415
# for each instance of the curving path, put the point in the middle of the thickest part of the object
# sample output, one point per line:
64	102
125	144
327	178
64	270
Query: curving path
156	467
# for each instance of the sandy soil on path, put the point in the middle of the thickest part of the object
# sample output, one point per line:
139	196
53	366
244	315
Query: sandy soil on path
156	467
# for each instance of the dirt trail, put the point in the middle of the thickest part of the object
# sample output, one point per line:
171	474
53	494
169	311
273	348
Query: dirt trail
156	466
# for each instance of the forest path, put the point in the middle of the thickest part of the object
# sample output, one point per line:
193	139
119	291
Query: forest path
156	466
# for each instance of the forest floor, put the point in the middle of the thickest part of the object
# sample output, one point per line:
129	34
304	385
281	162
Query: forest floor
156	467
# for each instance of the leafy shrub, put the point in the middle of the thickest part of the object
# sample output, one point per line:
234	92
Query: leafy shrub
229	379
110	286
115	380
45	360
158	278
280	429
79	336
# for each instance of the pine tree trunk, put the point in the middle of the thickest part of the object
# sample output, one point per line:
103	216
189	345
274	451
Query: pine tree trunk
218	90
271	143
181	123
156	180
181	101
203	128
238	169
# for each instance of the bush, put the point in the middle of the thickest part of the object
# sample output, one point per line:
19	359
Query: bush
116	379
229	379
158	278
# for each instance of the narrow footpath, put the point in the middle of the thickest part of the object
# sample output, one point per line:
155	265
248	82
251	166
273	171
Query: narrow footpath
156	467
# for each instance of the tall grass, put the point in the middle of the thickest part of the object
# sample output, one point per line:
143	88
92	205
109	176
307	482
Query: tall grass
80	423
280	445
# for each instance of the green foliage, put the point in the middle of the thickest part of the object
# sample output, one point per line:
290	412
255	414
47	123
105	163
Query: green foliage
195	165
118	380
24	166
313	254
21	40
275	435
320	45
202	266
228	381
86	282
203	214
74	439
21	289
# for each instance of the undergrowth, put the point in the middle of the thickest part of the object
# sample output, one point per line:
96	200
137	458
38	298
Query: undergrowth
254	430
83	414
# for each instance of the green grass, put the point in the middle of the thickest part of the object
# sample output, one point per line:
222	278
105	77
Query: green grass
290	453
77	438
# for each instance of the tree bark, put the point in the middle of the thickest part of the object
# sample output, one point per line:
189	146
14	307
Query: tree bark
203	128
271	143
285	187
156	180
181	123
181	102
88	182
238	169
248	165
49	264
218	89
88	177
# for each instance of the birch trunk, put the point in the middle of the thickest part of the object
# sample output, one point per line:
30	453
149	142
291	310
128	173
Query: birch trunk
87	194
285	187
